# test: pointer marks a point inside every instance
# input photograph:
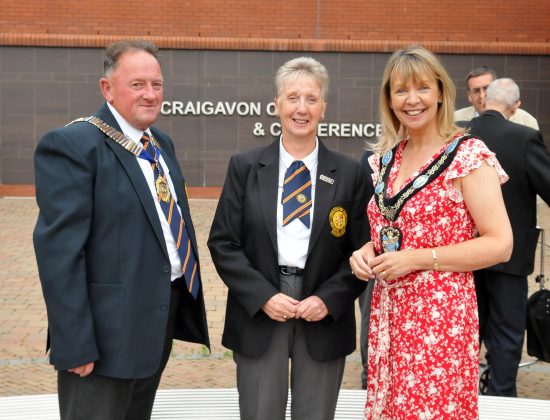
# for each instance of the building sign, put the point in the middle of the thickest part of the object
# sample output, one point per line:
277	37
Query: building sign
254	109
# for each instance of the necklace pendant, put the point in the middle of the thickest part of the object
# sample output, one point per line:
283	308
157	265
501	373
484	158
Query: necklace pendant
387	157
420	181
163	191
390	237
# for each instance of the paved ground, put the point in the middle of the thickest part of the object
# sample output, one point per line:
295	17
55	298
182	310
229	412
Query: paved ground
23	364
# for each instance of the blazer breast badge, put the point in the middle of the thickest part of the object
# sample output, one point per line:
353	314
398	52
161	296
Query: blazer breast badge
338	219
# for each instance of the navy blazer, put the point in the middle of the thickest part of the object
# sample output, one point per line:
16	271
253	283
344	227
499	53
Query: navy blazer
101	254
243	244
523	155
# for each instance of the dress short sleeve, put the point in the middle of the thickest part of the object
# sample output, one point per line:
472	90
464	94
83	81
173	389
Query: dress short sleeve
374	162
471	154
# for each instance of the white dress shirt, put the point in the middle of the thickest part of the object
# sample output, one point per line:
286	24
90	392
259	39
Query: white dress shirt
135	134
293	239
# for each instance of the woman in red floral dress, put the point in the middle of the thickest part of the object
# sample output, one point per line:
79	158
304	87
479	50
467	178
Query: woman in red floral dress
437	214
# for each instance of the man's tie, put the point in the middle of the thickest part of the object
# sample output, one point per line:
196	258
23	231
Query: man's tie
177	225
296	197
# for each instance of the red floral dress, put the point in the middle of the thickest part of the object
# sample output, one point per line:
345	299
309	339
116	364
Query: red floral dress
423	336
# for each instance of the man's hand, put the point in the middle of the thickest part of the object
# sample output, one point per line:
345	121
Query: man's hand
83	370
280	307
312	309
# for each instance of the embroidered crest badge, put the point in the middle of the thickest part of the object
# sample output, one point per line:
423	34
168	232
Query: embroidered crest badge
301	198
338	219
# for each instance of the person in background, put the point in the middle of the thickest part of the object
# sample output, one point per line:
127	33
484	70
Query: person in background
502	288
115	246
289	217
477	82
436	215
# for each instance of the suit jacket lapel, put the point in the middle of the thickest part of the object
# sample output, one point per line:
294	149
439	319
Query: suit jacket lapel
132	168
324	193
268	180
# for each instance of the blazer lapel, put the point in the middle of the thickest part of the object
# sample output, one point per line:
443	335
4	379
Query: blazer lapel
132	168
324	193
268	180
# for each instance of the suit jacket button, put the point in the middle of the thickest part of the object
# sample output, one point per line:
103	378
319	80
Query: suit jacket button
166	269
163	306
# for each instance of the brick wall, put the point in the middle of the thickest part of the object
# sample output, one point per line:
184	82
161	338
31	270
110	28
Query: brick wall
527	21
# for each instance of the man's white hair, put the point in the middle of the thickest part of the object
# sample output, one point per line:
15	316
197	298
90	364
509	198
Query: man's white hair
503	92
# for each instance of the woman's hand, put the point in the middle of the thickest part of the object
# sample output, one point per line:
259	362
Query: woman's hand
311	309
280	307
360	262
390	265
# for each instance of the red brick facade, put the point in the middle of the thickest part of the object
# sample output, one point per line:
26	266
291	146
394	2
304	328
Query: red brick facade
467	26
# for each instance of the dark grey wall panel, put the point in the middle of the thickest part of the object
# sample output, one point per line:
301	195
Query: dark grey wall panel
43	88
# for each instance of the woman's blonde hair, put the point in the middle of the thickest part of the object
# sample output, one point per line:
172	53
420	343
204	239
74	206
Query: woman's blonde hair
414	63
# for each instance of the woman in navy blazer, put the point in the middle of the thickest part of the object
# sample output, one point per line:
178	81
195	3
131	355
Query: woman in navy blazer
291	290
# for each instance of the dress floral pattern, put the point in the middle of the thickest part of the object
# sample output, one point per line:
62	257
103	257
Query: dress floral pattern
423	336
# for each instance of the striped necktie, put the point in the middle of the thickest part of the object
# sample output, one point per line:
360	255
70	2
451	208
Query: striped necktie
172	214
296	197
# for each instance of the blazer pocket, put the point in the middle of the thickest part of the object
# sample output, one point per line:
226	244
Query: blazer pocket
107	303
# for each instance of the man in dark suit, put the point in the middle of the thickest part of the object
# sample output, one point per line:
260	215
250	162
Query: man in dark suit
291	290
502	289
116	287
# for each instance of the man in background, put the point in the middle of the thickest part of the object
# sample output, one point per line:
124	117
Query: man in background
502	289
477	82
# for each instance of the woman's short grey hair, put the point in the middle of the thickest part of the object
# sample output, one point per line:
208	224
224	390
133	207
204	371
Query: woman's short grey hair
302	66
503	91
115	50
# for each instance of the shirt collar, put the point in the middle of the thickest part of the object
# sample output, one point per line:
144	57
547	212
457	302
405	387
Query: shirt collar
310	160
132	132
